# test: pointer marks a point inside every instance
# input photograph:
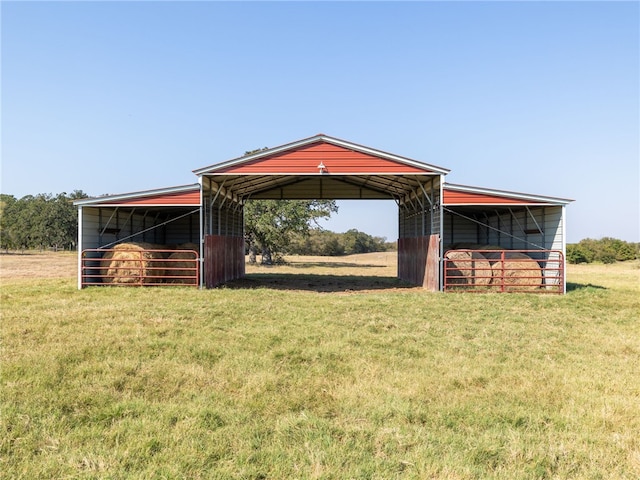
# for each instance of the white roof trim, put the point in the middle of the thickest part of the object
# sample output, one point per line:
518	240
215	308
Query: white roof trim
112	199
505	193
316	139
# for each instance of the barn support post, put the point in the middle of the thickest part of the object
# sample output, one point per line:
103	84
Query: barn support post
440	206
201	229
80	247
563	226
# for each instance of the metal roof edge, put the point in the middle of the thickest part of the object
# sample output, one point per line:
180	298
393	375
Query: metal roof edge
135	195
507	193
321	137
387	155
257	155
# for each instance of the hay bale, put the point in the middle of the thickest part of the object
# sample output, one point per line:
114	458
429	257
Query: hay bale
188	246
467	267
490	247
519	270
133	263
181	264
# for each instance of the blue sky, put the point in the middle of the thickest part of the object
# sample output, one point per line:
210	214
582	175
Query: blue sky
537	97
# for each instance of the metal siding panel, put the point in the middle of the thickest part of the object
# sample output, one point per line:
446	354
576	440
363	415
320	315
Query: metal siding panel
90	226
459	230
553	227
182	231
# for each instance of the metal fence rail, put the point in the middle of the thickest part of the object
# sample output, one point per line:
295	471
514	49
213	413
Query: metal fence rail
135	267
530	271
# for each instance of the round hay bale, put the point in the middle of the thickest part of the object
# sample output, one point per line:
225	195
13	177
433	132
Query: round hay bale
519	271
188	246
490	247
182	264
466	267
133	263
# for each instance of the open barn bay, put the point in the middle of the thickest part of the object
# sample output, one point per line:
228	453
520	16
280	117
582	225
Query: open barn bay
305	371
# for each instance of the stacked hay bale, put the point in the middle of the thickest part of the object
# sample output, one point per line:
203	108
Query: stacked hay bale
181	264
466	268
133	263
471	265
517	271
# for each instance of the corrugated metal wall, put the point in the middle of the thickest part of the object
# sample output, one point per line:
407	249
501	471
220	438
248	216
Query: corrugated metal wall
517	228
223	259
103	226
418	236
223	228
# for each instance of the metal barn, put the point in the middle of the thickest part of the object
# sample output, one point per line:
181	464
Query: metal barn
433	217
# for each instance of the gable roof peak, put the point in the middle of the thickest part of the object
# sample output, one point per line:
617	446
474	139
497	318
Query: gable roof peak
319	138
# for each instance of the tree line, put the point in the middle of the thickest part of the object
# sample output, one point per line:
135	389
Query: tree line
273	228
41	221
604	250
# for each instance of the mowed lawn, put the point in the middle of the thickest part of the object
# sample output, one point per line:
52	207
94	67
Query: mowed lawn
307	371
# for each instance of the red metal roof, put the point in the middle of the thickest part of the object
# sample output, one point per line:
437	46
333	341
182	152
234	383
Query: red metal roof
468	195
307	159
305	156
181	196
321	167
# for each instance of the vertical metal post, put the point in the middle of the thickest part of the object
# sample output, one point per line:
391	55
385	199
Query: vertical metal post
563	221
441	229
80	247
201	242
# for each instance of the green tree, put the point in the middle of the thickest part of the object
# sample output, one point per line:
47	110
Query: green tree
605	250
8	213
39	221
355	241
270	225
576	254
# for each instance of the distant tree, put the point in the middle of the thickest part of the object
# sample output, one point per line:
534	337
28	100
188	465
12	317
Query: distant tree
39	221
323	242
576	254
270	225
359	242
8	213
605	250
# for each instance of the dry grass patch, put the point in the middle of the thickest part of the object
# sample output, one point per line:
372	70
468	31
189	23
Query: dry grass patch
38	265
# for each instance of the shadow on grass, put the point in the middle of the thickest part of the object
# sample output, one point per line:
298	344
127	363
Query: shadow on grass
572	287
316	283
332	265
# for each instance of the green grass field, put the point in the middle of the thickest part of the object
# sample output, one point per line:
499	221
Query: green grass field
274	382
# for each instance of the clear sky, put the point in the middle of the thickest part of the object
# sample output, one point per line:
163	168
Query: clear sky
536	97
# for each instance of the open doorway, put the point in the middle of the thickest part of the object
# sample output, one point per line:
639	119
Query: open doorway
354	249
